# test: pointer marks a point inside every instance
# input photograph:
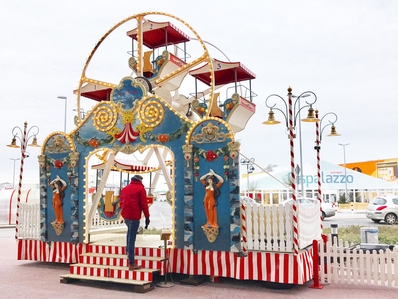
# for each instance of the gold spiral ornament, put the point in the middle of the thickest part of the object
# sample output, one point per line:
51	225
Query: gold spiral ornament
152	113
104	118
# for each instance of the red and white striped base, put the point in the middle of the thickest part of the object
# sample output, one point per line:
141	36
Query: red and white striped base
54	252
263	266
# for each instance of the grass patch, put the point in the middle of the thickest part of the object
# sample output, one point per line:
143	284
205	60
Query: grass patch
388	234
352	234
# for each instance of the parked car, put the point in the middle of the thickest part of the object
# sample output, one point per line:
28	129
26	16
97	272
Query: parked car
248	200
383	208
161	196
327	208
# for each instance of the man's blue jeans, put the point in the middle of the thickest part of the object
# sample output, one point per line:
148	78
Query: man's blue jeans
132	228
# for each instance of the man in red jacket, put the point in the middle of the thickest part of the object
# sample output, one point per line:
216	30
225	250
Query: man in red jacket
133	201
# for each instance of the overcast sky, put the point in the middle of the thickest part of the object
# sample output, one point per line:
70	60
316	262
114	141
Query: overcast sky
343	51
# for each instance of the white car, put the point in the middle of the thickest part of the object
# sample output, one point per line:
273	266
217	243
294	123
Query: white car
383	208
327	208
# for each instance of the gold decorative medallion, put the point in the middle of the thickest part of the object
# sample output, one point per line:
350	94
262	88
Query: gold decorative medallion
211	233
58	227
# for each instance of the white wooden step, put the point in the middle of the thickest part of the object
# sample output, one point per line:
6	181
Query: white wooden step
143	274
108	259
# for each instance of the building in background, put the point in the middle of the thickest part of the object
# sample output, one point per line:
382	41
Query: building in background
386	169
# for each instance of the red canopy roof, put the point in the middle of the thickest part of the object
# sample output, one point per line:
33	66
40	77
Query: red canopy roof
158	34
95	92
224	72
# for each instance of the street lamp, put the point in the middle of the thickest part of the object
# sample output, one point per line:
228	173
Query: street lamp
290	121
299	169
79	116
26	135
249	169
317	147
345	168
64	98
13	174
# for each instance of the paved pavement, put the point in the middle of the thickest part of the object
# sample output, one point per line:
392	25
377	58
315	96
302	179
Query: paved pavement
27	279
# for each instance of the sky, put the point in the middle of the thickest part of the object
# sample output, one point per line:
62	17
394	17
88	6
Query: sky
343	51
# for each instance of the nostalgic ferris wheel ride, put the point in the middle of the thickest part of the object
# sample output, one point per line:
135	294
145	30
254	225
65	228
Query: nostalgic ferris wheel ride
171	102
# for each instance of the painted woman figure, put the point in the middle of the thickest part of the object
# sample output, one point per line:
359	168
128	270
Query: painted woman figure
212	183
59	186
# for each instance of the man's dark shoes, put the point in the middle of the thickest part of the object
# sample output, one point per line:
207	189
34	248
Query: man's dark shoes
134	267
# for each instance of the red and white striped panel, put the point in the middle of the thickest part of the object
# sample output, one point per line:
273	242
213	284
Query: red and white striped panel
107	249
141	251
307	262
32	250
145	251
263	266
55	252
100	260
118	260
135	275
88	271
64	252
148	264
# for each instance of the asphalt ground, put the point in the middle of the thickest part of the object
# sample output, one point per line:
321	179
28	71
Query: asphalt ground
27	279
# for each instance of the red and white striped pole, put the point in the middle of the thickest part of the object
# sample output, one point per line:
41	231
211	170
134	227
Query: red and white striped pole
23	150
292	165
244	229
318	163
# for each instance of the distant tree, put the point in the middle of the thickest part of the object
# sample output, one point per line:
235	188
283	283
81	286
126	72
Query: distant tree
287	179
270	167
350	197
253	186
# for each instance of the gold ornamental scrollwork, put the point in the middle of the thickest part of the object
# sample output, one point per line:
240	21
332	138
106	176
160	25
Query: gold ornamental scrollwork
128	148
58	144
151	112
104	117
209	134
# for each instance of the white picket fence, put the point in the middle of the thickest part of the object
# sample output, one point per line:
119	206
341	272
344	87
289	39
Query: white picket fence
29	221
351	265
270	228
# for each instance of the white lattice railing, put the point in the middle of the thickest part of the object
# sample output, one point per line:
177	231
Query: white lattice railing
270	228
308	224
29	221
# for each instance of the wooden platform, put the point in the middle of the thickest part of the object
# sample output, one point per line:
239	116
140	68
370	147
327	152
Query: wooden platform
119	239
138	286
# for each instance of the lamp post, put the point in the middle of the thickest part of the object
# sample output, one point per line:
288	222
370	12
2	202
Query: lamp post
13	173
79	115
290	114
345	168
318	134
64	98
300	169
249	169
26	135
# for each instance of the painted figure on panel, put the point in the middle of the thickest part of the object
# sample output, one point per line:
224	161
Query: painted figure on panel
59	186
212	183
